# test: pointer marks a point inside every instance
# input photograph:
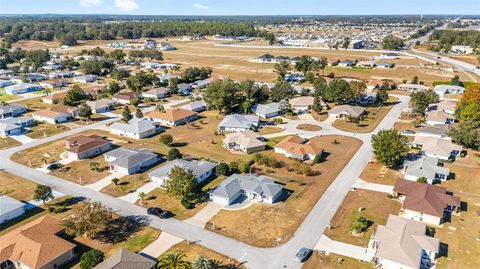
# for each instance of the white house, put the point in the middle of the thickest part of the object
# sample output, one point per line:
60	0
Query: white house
425	167
136	128
10	208
200	169
448	89
156	93
130	161
86	79
269	110
22	88
239	123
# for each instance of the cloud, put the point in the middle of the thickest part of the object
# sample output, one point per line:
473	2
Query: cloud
90	3
200	6
126	5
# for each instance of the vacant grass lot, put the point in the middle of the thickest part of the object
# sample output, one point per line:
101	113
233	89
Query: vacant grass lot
7	142
16	187
334	261
377	208
374	116
126	185
466	174
80	172
377	173
267	225
40	155
269	130
193	250
33	105
41	130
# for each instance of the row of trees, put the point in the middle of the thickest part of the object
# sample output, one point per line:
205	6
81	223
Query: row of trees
467	132
447	38
69	32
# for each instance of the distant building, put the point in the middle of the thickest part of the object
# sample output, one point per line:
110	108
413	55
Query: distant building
448	89
346	63
462	49
86	79
356	44
22	88
389	55
413	87
386	65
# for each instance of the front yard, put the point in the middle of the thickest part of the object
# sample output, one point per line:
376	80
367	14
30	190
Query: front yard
40	155
8	142
268	225
126	185
376	208
375	172
334	261
41	130
374	116
80	172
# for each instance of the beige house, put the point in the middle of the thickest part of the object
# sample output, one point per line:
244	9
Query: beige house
172	117
36	245
55	98
437	147
246	142
345	111
56	114
425	203
297	148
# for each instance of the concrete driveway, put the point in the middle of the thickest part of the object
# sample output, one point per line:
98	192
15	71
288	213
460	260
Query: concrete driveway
22	138
102	183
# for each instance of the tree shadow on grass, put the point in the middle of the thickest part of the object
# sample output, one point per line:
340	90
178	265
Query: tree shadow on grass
120	229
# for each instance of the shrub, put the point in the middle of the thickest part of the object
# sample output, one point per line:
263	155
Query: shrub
422	180
166	139
244	166
303	169
173	154
134	102
222	169
57	209
186	204
91	258
233	166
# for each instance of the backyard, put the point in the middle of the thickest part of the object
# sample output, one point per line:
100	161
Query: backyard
269	225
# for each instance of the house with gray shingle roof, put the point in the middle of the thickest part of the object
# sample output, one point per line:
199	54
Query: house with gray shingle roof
269	110
136	128
125	259
254	188
427	167
15	126
11	110
10	208
239	123
130	161
201	170
345	111
196	106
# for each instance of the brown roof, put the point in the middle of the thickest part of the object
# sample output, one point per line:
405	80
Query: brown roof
94	89
64	109
36	243
425	198
126	95
56	96
171	114
84	143
296	145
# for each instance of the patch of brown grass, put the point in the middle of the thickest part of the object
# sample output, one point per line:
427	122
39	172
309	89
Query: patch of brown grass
16	187
309	127
79	171
372	174
334	261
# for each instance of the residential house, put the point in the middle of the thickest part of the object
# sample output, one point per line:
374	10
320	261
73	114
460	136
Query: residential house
126	259
36	245
22	88
373	84
302	104
56	114
84	147
196	106
246	142
136	128
30	78
346	63
269	110
462	49
129	161
385	65
356	44
185	88
5	83
254	188
6	73
10	209
412	87
369	64
156	93
437	117
346	111
101	105
265	58
61	74
403	244
298	148
15	126
425	167
437	147
294	78
239	123
389	55
164	46
11	110
440	131
125	97
172	117
368	98
448	89
95	89
200	169
86	79
53	83
166	78
446	106
202	84
55	98
426	203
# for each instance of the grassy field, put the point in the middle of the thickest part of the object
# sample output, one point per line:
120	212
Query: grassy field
41	130
334	261
193	250
309	127
374	115
80	172
267	225
377	173
41	154
377	208
269	130
7	142
33	104
126	184
7	97
16	187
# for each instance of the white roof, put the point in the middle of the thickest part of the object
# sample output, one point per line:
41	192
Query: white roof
9	204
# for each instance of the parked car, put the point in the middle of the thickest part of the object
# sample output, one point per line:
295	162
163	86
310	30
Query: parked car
53	166
303	254
156	211
407	132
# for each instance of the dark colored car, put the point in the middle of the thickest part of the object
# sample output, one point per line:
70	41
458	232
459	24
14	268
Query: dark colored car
53	166
156	211
303	254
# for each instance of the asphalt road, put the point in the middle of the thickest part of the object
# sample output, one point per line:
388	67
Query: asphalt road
280	257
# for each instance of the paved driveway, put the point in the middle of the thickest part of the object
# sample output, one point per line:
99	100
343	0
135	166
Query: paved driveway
102	183
133	196
348	250
22	138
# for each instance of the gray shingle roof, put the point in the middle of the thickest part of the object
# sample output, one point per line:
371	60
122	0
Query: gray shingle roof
239	121
9	204
128	158
198	168
268	108
125	259
247	183
425	166
135	125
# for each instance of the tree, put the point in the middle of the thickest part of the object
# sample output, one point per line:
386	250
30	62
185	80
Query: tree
173	260
126	114
222	169
471	95
270	37
346	42
389	147
470	112
75	96
421	100
421	180
113	88
414	80
166	139
115	180
182	183
91	258
222	95
304	64
247	106
173	154
358	88
43	193
94	166
135	102
281	69
141	195
138	113
391	42
85	112
202	262
382	95
281	90
360	225
321	64
339	91
456	81
117	55
466	134
88	220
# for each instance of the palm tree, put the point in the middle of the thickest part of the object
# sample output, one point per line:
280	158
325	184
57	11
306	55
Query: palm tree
173	260
141	195
94	166
202	262
46	91
175	68
115	181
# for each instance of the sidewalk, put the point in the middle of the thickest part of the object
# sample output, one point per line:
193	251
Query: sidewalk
102	183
